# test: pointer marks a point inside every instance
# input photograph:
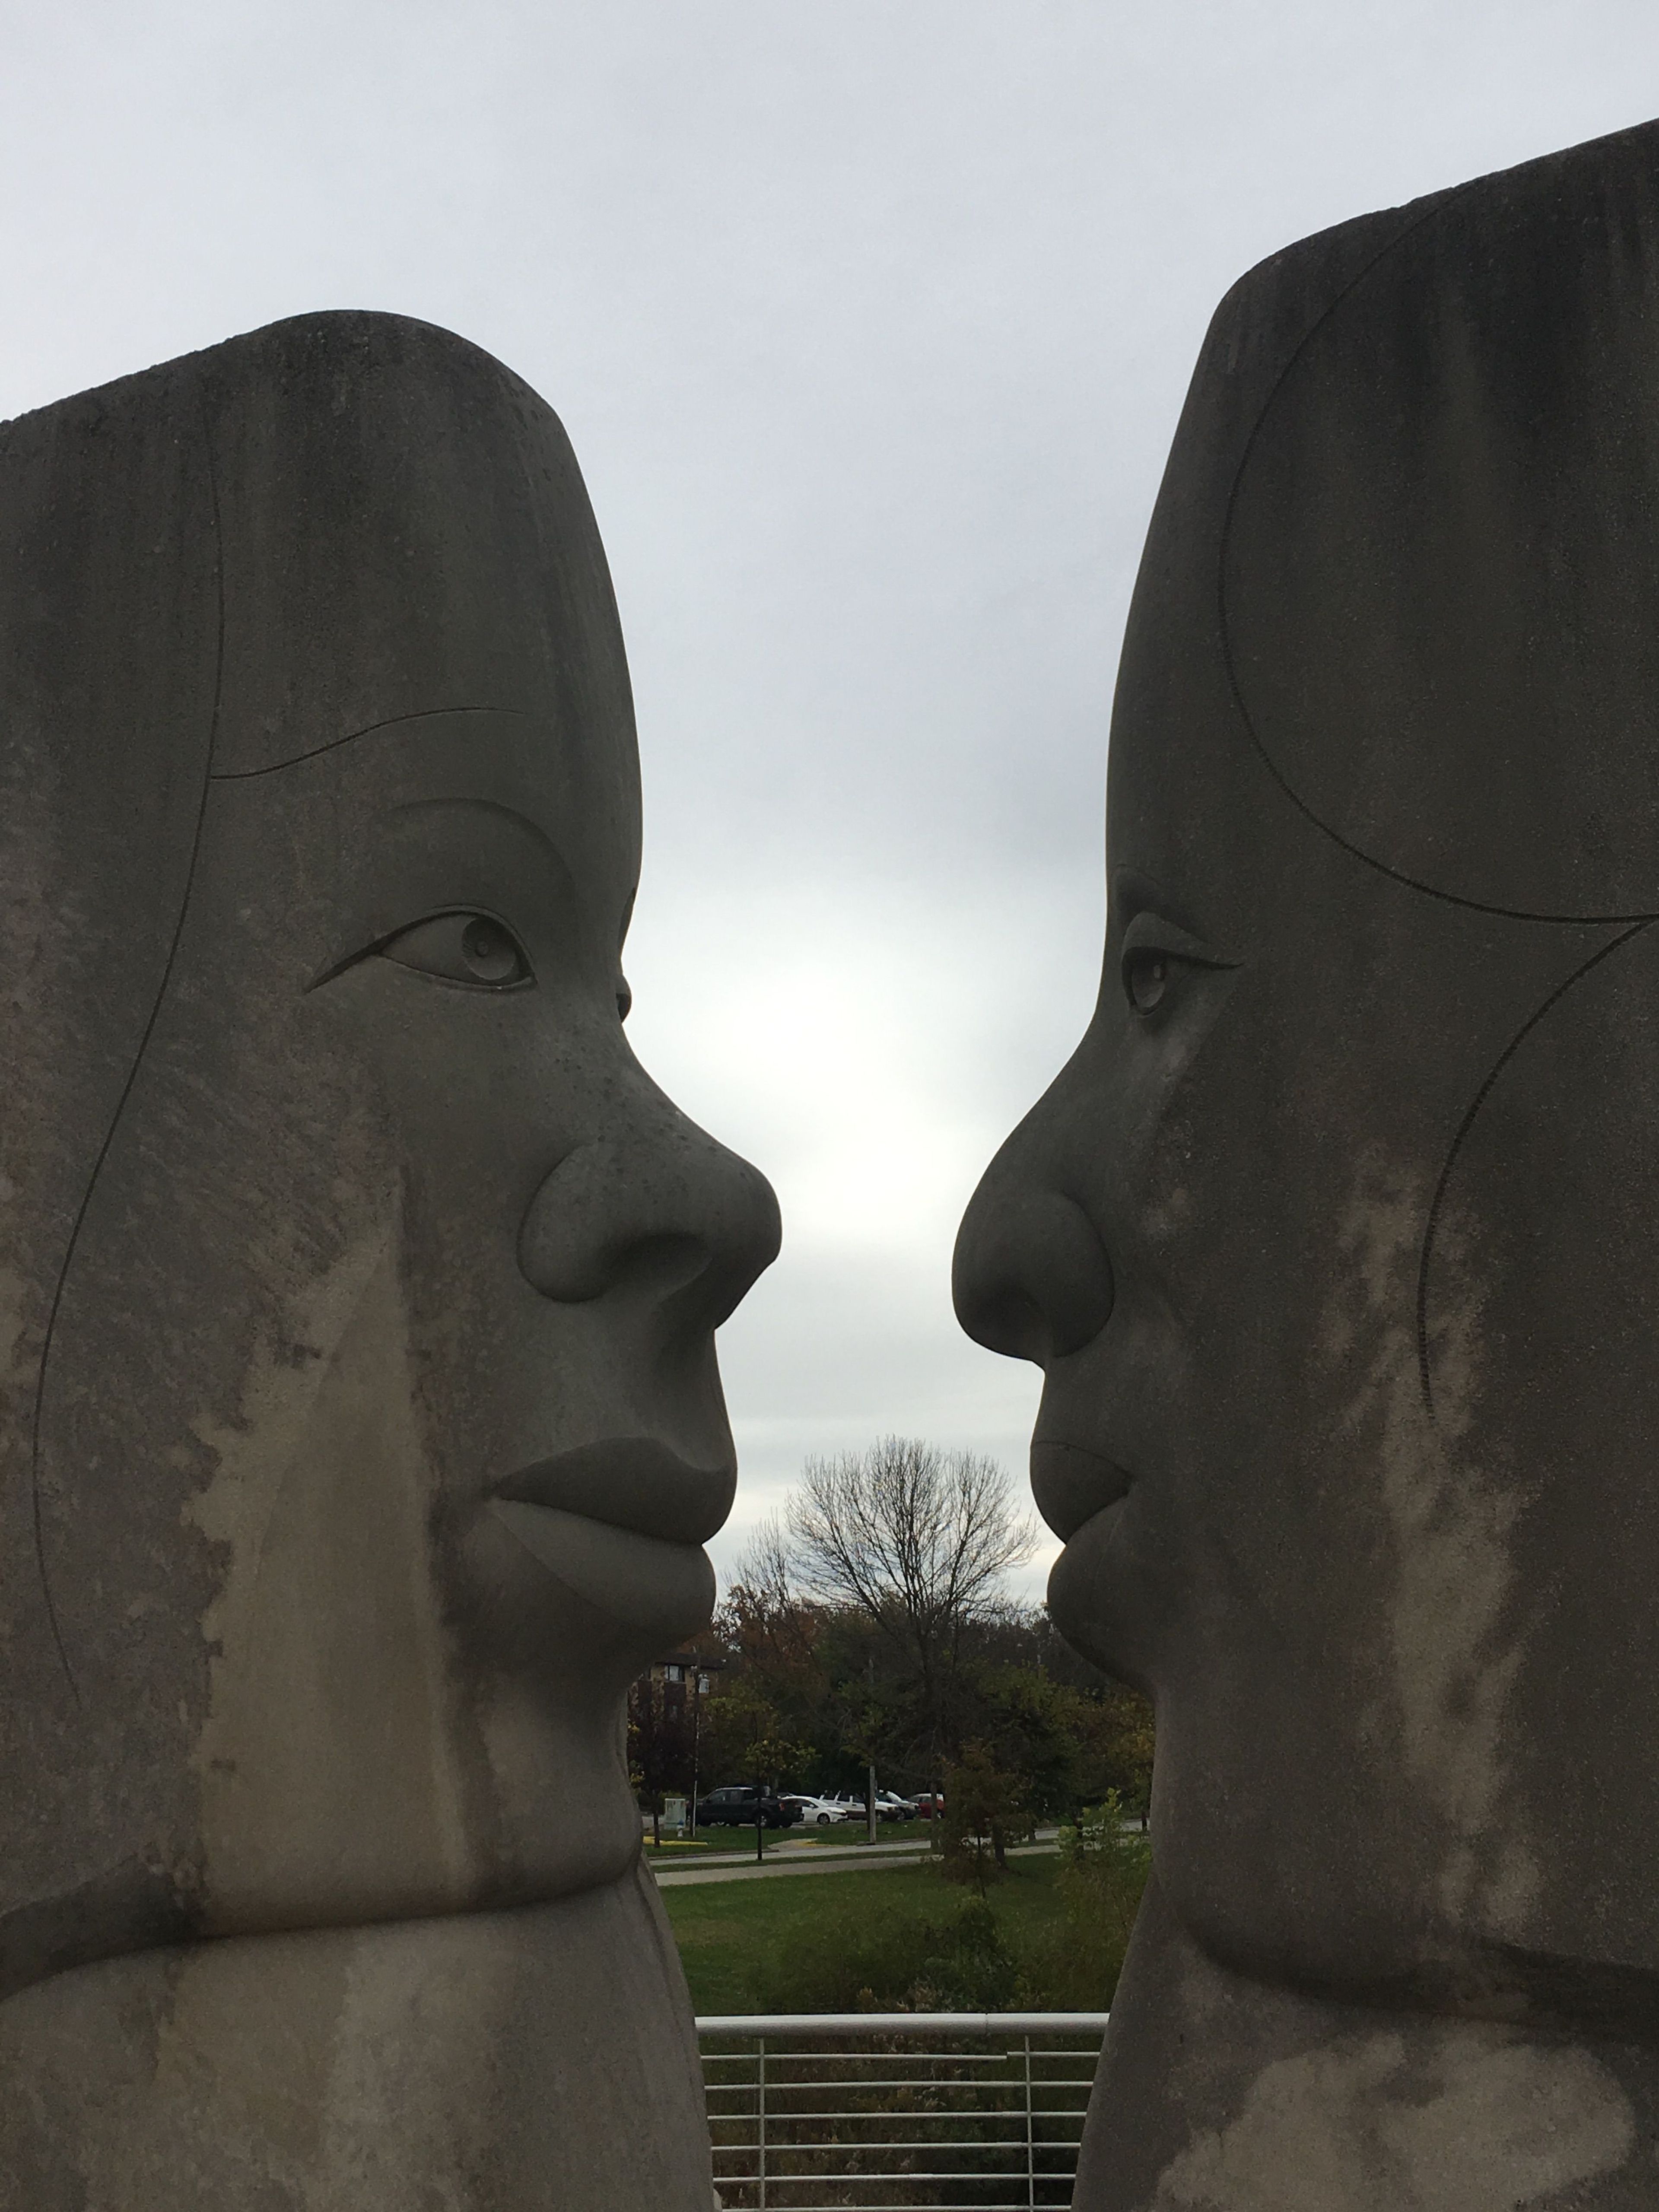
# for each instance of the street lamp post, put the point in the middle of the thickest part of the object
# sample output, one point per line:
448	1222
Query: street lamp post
870	1791
699	1692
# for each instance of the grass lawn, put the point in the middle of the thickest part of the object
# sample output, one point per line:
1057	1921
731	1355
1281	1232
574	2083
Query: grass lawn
812	1943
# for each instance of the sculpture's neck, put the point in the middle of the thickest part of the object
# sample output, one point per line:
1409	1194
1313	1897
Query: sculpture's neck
1220	2094
534	2059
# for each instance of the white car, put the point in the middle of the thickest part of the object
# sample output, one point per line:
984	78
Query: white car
889	1807
821	1811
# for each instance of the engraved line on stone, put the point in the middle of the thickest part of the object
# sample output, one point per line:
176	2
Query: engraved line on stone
420	714
1602	952
1369	859
132	1074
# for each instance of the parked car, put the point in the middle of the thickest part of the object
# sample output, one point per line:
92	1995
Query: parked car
821	1811
735	1806
889	1807
930	1804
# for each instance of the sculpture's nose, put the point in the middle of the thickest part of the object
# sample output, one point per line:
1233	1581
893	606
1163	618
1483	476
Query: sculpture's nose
1031	1277
654	1204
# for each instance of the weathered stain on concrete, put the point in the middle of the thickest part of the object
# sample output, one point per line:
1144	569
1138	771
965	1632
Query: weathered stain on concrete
1467	2126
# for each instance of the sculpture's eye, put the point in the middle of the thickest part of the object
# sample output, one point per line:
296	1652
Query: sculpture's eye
462	948
1146	976
1159	960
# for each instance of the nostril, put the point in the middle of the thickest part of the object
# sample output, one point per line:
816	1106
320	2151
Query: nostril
1015	1325
663	1263
1031	1277
746	1233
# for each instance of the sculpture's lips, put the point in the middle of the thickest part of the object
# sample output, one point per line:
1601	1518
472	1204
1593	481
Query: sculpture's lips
622	1524
629	1482
645	1582
1071	1484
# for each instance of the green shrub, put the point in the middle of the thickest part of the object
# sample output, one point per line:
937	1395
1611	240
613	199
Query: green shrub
876	1952
973	1970
1103	1872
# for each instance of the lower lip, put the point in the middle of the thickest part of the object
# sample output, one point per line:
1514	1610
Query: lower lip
641	1582
1078	1584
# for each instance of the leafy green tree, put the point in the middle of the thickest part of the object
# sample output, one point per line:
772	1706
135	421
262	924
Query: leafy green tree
1104	1865
982	1805
1122	1744
660	1742
746	1736
1036	1730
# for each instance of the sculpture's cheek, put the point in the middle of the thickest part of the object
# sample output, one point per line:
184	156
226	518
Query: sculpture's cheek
330	1780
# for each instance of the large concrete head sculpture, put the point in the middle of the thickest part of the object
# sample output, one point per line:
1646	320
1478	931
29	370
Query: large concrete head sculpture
1337	1239
362	1425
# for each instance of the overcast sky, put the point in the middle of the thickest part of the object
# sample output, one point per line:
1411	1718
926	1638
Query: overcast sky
870	322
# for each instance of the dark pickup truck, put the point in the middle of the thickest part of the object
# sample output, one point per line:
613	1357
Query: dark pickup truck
736	1808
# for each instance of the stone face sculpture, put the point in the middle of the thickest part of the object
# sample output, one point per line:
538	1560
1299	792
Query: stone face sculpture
361	1421
1337	1237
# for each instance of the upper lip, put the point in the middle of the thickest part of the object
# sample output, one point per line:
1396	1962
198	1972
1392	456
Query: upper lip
1071	1483
629	1482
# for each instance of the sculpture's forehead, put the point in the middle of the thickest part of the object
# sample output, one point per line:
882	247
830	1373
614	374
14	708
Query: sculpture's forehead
1398	585
347	518
404	531
1189	802
491	805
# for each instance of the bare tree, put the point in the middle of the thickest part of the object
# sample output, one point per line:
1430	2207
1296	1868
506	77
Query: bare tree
764	1616
917	1538
764	1567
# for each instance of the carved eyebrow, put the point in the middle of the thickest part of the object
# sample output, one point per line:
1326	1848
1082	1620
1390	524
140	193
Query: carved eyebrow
1131	893
1152	931
430	857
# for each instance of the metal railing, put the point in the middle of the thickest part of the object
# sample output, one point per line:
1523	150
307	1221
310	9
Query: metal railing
907	2111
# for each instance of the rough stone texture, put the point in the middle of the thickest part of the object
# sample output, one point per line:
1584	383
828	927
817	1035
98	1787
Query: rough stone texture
361	1426
544	2056
1336	1235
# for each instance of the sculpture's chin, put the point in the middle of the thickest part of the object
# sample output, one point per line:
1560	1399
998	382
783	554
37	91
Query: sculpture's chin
534	1850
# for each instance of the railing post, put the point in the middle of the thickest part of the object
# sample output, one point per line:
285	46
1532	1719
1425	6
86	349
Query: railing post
760	2129
1030	2140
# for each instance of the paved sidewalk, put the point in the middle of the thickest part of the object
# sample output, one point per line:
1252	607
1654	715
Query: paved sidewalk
799	1847
825	1861
910	1846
